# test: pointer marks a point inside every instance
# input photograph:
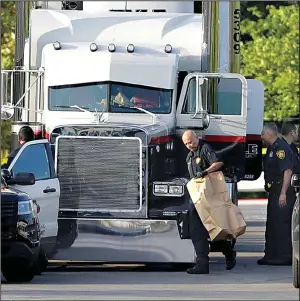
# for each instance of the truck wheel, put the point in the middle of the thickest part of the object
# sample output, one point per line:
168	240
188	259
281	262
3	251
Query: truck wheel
13	272
296	271
67	233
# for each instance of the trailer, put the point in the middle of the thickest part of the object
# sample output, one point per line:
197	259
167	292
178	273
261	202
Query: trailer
109	88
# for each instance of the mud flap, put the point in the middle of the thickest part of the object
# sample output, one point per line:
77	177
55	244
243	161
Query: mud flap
183	225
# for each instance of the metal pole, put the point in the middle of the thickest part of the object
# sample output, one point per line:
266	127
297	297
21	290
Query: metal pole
205	59
19	53
211	54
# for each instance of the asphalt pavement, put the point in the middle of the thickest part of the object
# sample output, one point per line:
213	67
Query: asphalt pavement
247	281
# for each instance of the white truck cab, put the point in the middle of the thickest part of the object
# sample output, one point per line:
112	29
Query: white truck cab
112	86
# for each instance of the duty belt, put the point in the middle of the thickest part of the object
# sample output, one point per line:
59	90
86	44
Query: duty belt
276	182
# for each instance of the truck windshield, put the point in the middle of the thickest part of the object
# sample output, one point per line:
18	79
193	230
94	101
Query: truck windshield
94	97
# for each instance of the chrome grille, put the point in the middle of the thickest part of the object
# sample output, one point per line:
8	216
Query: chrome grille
99	173
9	219
9	209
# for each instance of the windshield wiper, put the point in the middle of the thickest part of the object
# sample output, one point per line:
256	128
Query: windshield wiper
139	109
84	109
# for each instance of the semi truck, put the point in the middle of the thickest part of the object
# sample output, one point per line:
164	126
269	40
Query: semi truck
109	88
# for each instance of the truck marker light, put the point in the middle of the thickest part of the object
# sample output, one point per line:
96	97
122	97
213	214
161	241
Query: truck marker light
111	47
93	47
57	45
168	48
130	48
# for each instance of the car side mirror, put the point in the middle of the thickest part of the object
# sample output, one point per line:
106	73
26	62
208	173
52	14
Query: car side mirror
295	181
22	178
6	174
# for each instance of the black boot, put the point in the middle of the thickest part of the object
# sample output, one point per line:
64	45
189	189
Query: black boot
199	269
231	261
262	261
266	261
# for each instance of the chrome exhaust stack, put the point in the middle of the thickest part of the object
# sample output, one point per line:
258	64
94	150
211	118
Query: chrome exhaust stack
221	36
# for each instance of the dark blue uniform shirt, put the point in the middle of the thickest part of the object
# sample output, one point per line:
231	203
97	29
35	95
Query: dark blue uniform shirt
278	158
296	156
201	159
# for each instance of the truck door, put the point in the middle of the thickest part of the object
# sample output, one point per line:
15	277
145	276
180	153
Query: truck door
36	157
215	107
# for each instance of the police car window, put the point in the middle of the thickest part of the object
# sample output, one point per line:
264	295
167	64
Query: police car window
33	159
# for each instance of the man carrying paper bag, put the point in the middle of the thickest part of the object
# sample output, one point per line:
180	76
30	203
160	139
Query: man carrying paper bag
202	161
222	219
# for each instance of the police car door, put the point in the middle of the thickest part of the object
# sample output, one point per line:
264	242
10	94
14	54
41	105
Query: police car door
215	107
36	157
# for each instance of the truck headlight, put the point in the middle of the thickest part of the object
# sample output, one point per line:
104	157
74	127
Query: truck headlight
175	189
25	207
160	189
168	189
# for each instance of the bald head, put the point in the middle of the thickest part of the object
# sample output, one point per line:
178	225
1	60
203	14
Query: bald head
190	140
269	133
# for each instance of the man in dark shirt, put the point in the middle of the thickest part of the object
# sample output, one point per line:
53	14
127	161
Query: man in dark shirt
201	161
290	136
278	165
25	135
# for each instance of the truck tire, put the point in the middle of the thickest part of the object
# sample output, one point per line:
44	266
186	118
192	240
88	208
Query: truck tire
296	271
13	272
67	233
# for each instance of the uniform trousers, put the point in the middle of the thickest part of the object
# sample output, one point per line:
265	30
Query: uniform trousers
199	236
278	235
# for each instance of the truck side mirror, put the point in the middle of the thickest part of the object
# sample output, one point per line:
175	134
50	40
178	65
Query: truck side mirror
7	112
4	88
200	81
206	120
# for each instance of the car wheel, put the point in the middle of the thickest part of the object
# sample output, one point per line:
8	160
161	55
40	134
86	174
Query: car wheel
13	272
296	271
41	264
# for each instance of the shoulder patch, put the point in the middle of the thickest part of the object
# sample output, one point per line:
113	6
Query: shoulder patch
280	154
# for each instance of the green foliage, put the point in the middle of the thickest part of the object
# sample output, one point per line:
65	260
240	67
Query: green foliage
5	136
8	24
272	56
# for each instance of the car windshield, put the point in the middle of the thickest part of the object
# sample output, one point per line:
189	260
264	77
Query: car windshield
123	98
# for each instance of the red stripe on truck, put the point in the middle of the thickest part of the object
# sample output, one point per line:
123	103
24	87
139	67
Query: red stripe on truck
232	139
253	137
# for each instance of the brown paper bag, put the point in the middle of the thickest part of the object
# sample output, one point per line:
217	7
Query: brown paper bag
221	218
